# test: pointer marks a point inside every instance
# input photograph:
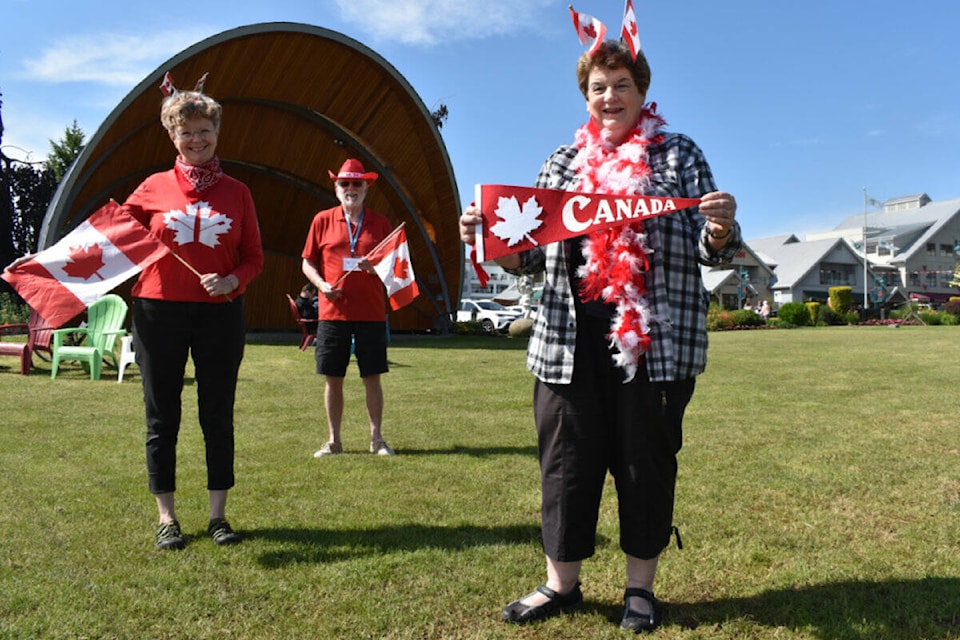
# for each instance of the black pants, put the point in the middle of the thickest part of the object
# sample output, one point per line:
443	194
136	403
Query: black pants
214	335
596	424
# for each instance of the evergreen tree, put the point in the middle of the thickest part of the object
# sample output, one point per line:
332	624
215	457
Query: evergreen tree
63	153
26	190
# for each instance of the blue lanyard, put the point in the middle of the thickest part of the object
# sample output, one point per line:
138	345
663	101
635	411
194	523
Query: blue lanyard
354	237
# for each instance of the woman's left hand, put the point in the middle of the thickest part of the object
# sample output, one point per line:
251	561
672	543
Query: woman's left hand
216	285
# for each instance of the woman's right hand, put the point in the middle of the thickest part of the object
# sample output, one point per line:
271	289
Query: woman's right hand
468	222
13	265
468	227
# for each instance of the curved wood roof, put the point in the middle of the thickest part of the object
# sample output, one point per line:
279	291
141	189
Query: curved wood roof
297	101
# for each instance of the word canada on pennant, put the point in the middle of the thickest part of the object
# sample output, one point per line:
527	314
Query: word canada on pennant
519	218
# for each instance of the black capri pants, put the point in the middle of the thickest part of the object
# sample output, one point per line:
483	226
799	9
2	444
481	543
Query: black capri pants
213	334
596	424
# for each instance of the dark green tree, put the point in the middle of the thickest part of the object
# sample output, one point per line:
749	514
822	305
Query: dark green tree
26	190
7	252
63	153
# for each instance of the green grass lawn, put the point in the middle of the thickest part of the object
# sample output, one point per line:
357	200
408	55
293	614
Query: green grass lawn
818	497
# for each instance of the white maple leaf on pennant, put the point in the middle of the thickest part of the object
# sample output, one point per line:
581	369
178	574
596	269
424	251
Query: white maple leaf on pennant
197	224
517	223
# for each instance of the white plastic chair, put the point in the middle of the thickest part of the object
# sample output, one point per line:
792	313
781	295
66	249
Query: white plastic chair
127	356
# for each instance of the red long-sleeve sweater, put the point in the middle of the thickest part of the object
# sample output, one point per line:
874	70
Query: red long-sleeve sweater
215	231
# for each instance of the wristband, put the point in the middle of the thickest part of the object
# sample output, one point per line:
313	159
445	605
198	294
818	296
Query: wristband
715	236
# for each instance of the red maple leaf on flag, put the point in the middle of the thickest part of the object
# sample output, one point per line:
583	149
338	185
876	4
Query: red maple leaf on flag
590	30
84	262
400	268
633	28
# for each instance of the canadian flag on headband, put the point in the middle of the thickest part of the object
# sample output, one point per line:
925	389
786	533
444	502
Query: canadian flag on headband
590	30
391	260
104	251
629	32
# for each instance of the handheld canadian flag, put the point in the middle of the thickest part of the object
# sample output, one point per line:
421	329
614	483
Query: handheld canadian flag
104	251
590	30
391	261
629	32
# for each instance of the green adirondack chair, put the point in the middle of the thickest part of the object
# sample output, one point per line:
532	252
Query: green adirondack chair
105	319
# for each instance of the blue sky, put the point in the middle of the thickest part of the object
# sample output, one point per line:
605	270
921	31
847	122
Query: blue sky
798	106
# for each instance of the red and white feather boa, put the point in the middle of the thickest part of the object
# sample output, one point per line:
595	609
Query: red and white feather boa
616	259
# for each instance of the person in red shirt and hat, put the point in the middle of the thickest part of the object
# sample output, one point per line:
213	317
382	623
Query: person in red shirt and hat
351	305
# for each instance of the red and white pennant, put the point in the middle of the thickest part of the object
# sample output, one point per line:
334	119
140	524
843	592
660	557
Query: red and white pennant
519	218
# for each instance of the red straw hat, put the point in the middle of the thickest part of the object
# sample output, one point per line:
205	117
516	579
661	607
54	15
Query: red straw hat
353	170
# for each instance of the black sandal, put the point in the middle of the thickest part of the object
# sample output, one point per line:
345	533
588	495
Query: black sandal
519	613
634	620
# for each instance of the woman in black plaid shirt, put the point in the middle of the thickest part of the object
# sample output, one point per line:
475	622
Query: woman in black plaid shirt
616	357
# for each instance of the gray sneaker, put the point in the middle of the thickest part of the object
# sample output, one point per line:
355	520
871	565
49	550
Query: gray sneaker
329	449
169	536
381	448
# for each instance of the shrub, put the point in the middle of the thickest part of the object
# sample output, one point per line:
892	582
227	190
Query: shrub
841	299
930	318
470	328
953	307
813	308
12	311
851	317
746	318
779	323
719	318
828	317
795	313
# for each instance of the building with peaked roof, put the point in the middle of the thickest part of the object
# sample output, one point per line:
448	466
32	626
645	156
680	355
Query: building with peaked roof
806	270
297	101
912	245
747	279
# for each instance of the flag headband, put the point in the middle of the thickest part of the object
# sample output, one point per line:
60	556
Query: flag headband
591	31
168	88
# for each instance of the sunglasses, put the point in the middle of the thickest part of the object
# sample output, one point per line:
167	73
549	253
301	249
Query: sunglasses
343	184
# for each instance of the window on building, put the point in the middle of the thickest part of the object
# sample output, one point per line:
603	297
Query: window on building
931	278
915	278
835	274
931	248
946	250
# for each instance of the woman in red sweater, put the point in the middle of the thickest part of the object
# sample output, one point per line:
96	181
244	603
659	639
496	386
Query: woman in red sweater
208	219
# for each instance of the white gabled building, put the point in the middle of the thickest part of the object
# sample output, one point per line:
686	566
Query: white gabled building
912	245
806	270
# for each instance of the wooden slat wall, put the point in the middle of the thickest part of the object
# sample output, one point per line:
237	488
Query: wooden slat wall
269	78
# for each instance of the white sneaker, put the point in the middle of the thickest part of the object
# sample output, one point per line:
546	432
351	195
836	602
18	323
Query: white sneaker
381	448
329	449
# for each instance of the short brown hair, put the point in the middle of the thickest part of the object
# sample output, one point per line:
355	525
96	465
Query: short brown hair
614	54
187	105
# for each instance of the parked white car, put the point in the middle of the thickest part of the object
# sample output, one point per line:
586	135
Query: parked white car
528	312
491	315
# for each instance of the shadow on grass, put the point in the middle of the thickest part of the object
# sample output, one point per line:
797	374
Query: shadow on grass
476	452
854	610
327	545
397	339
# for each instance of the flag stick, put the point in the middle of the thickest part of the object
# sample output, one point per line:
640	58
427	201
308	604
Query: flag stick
369	253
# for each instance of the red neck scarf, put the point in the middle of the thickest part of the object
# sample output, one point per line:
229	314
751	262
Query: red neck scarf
201	177
616	259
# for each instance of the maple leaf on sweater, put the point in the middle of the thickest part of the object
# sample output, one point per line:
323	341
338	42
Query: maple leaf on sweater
198	224
518	222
